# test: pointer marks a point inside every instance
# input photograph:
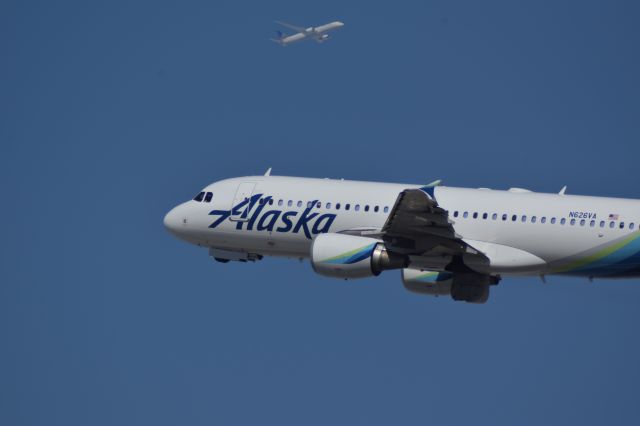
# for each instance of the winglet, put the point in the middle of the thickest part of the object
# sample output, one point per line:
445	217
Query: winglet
268	172
563	190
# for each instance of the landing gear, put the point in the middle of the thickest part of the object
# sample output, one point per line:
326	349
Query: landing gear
470	293
469	286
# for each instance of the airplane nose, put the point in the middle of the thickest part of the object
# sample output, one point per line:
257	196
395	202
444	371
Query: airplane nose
172	221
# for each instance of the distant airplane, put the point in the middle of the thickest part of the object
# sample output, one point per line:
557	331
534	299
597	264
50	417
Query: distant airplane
446	241
316	33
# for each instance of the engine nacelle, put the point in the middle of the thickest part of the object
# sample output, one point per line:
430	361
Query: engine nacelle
322	38
351	256
427	282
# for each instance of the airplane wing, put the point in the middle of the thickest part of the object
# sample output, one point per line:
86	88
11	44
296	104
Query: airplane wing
292	27
417	226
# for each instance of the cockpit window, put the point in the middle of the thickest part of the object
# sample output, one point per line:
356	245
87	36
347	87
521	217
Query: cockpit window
199	197
207	198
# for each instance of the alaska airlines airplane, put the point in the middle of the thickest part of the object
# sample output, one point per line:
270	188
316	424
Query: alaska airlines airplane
445	241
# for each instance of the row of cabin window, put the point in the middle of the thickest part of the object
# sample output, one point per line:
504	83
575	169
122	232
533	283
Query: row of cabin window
203	196
543	219
328	206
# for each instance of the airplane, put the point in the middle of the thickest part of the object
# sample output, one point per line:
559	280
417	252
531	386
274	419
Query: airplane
445	241
316	33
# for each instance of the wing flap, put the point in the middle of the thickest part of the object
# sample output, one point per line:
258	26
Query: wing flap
418	226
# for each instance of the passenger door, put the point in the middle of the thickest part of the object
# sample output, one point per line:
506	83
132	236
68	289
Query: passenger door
244	192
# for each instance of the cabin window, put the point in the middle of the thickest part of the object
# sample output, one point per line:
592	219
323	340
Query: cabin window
553	220
318	204
514	218
386	209
376	209
199	197
328	206
485	216
504	217
455	214
631	225
337	206
280	202
612	225
208	197
289	203
475	215
271	202
573	222
494	216
621	225
366	208
347	206
465	215
563	221
299	204
357	207
592	223
543	219
602	224
533	219
582	222
524	218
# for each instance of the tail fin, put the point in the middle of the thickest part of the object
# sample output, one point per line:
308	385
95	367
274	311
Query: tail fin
280	36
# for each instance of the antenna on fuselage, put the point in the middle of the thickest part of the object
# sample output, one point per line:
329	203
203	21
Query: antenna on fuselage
268	172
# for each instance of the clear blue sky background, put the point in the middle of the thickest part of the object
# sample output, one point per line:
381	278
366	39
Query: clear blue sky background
112	113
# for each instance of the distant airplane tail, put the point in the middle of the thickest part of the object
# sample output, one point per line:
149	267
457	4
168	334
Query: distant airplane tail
280	36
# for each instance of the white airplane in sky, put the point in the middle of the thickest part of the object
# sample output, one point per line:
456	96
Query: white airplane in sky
444	240
319	34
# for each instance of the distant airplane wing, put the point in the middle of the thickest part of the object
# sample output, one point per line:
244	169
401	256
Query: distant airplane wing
418	226
292	27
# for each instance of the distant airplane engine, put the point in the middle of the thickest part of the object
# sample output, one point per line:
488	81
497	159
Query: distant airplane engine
322	38
427	282
350	256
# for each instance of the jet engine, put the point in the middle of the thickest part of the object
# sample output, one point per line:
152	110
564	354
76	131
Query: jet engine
322	38
350	256
427	282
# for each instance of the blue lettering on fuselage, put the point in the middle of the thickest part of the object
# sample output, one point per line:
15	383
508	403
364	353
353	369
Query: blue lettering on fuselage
310	223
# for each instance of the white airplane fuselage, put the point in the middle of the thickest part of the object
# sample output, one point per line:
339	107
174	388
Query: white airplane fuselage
520	232
318	33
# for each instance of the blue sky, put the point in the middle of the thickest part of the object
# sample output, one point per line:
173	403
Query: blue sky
111	113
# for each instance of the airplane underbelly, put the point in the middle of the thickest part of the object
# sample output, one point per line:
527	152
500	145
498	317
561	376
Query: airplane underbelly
270	244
